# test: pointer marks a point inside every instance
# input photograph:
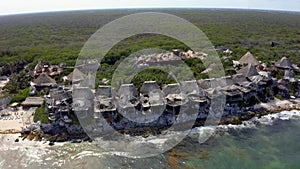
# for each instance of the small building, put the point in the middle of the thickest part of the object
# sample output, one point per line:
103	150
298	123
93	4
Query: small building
191	90
248	58
233	94
248	71
32	102
45	67
76	76
151	96
127	96
241	80
284	63
149	86
104	100
174	95
224	81
43	80
83	102
58	103
105	92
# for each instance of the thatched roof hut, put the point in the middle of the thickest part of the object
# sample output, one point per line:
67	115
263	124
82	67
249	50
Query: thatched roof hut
190	87
241	80
43	80
128	89
76	76
149	86
32	102
172	89
83	93
248	71
127	96
248	58
104	91
284	63
224	81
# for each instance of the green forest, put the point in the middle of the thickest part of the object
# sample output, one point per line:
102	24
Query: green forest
58	37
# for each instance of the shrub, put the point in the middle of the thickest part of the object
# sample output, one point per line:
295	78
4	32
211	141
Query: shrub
20	96
279	96
41	115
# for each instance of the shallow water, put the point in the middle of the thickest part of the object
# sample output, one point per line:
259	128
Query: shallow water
268	143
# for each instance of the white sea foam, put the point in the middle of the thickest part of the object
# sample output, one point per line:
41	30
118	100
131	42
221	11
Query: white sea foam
87	154
32	152
284	115
203	133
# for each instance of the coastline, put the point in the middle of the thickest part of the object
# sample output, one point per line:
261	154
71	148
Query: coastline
18	119
261	109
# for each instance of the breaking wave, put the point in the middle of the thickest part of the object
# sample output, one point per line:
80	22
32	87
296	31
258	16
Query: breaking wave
203	132
35	154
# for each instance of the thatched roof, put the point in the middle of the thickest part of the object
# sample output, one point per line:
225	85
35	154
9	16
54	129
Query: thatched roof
76	75
224	81
128	90
60	94
248	58
33	101
149	86
128	95
248	71
240	79
172	89
284	63
190	87
104	91
83	93
44	80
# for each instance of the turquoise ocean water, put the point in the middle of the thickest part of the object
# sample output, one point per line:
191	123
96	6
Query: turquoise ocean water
272	142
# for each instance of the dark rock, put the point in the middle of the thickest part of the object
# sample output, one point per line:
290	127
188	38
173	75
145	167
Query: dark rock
17	140
25	131
273	44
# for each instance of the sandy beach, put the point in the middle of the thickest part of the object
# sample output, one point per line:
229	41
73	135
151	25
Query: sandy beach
13	121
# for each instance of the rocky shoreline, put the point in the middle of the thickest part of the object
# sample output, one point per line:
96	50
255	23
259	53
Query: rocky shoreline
75	133
262	109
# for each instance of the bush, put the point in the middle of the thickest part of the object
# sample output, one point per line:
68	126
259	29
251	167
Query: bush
279	96
41	115
20	96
